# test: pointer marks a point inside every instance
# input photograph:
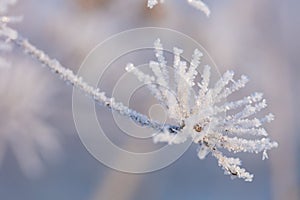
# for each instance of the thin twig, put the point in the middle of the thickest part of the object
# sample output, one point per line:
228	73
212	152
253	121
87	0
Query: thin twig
99	97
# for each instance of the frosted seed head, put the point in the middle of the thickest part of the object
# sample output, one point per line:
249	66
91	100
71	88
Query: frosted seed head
200	114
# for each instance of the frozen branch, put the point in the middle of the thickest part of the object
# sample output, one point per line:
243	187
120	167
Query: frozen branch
99	97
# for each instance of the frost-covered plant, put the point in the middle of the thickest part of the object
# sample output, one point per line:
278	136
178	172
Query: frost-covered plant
197	116
198	4
202	114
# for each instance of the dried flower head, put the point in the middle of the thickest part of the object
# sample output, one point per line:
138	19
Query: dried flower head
203	114
198	4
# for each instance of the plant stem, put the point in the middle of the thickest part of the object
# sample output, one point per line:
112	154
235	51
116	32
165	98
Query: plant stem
99	97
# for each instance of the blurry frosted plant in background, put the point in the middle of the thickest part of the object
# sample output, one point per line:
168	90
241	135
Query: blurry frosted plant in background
4	30
202	115
5	3
198	4
24	94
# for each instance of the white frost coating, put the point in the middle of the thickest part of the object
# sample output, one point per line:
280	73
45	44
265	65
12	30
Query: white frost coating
149	81
231	166
99	97
152	3
192	71
164	77
198	4
168	137
202	117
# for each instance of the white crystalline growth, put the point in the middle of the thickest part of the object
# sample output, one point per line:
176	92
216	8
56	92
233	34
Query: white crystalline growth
198	4
152	3
202	113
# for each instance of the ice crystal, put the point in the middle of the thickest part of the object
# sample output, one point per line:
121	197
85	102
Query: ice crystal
202	115
198	4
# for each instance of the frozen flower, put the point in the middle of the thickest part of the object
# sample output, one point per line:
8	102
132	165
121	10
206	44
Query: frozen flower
203	115
25	94
198	4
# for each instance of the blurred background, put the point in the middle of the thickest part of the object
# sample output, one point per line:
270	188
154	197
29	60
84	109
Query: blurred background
41	155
